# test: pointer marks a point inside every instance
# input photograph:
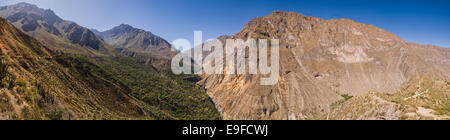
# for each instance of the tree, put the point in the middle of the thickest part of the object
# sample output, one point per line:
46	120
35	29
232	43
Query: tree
3	68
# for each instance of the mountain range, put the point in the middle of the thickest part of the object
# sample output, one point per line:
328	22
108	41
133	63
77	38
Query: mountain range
68	72
329	69
321	63
140	44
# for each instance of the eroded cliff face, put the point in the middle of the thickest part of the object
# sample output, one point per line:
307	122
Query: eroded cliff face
39	84
321	60
420	99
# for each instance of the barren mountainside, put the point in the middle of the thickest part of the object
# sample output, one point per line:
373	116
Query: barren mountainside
85	78
143	45
54	32
322	61
37	83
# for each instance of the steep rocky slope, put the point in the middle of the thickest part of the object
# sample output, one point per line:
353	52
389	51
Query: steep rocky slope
135	40
320	61
40	84
37	83
143	45
54	32
422	98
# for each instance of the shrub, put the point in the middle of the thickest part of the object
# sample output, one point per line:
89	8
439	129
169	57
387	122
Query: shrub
347	97
21	82
3	68
340	102
55	115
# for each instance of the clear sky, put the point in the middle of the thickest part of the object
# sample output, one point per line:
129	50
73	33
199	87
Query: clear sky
418	21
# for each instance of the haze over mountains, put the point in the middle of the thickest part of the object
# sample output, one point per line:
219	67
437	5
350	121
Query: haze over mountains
329	69
140	44
42	84
322	62
74	74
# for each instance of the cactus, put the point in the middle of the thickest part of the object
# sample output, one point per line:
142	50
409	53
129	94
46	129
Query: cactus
3	68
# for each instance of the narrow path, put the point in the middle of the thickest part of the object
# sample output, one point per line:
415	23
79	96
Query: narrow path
430	113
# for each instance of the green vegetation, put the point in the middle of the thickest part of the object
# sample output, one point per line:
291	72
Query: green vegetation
173	94
3	68
446	107
166	94
43	84
41	105
340	102
426	93
6	78
21	82
346	97
11	79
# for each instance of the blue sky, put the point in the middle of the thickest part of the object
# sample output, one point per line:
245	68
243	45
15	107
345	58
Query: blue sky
418	21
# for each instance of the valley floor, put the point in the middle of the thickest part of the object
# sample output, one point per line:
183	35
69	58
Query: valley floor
423	100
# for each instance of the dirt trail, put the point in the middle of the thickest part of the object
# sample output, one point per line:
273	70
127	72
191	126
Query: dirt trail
430	113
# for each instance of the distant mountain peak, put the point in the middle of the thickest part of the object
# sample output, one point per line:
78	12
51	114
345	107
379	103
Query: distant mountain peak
286	13
33	20
27	7
124	29
24	4
323	58
23	9
124	26
133	41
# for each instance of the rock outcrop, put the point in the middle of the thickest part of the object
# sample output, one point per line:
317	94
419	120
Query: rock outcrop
320	60
143	45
